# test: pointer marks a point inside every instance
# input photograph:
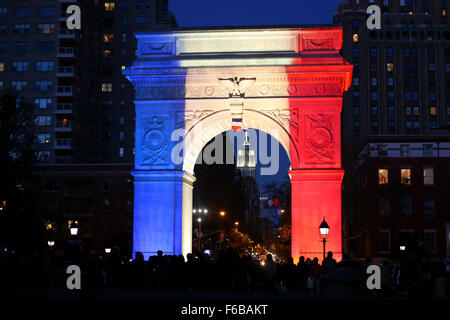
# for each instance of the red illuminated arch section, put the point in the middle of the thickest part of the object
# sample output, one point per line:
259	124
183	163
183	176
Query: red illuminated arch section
317	80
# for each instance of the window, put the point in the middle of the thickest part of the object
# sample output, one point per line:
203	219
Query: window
373	52
142	4
428	176
1	84
356	82
355	52
391	111
2	29
23	11
124	21
20	66
404	150
2	66
3	12
389	67
121	152
107	53
46	28
18	85
391	95
47	11
44	65
355	24
43	85
431	52
142	20
374	111
389	52
405	176
383	206
383	176
433	111
110	6
121	136
106	205
43	138
43	121
374	81
42	103
355	37
429	239
428	205
382	150
45	47
43	156
21	47
106	185
108	38
356	110
385	245
21	28
122	120
374	95
406	205
390	81
124	37
427	150
106	87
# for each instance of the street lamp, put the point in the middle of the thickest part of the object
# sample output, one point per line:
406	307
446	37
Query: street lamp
324	229
236	223
74	229
107	250
50	243
222	213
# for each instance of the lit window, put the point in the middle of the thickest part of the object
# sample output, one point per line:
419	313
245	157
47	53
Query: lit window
433	111
355	37
109	6
406	176
2	66
121	152
106	87
108	37
389	67
383	176
107	53
428	176
444	12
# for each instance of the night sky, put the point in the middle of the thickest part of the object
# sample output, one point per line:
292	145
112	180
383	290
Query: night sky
209	13
204	13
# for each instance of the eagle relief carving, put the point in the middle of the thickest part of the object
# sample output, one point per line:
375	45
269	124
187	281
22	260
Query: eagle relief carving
236	86
190	118
319	139
155	141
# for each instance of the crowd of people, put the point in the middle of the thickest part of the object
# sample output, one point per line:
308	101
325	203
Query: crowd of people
225	271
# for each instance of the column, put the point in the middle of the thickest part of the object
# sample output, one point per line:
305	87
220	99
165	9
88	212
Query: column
316	193
162	212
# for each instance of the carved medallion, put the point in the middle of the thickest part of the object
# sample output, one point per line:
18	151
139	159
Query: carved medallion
155	141
320	140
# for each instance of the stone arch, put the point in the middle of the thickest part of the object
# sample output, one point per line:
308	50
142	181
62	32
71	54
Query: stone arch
200	133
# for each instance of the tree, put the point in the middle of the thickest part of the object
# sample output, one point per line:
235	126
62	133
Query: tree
18	210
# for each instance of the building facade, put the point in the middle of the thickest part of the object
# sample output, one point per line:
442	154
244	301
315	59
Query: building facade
401	77
401	198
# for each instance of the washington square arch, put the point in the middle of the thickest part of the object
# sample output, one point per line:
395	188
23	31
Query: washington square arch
287	82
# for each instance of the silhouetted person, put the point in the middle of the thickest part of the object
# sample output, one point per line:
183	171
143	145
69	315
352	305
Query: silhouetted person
329	264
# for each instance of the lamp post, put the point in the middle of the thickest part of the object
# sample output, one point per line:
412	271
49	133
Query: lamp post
199	234
324	229
74	229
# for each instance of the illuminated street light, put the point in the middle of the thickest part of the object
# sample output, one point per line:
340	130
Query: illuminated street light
74	229
107	250
222	213
199	219
324	229
236	223
194	211
51	243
